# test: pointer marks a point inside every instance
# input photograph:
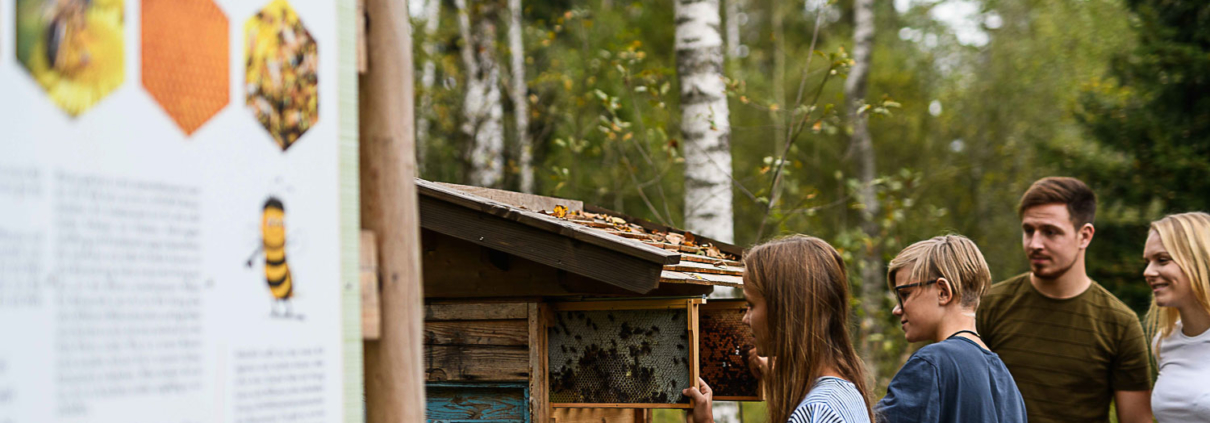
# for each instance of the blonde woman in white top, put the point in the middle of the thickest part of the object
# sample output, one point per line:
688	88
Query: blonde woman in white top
1178	270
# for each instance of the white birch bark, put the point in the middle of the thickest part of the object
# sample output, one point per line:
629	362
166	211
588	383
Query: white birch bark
516	49
862	147
432	21
484	114
705	124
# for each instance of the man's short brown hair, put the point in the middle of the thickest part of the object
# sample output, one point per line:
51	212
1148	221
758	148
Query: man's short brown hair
1081	202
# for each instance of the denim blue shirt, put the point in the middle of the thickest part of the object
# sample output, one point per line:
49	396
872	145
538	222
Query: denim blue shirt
952	381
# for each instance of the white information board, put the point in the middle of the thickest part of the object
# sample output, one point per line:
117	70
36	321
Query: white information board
174	211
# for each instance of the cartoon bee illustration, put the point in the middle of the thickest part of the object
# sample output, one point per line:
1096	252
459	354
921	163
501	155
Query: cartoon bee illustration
273	245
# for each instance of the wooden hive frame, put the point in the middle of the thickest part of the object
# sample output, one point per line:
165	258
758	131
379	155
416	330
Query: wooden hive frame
689	304
716	305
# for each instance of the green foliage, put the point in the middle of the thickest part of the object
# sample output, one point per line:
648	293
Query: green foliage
1151	114
959	130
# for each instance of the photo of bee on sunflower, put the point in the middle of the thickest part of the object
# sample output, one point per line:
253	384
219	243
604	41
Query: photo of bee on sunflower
72	48
282	79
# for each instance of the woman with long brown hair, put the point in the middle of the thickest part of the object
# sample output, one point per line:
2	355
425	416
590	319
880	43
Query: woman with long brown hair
798	309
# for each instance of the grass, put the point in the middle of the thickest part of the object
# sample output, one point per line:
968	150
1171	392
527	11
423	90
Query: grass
753	412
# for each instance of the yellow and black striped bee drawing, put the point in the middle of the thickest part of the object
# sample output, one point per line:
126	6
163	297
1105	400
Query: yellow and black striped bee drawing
273	244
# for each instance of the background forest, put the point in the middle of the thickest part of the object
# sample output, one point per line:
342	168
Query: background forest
967	101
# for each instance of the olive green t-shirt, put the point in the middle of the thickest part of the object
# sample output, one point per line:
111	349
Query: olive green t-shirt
1067	356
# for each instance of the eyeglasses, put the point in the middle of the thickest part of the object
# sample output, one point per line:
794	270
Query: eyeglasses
899	290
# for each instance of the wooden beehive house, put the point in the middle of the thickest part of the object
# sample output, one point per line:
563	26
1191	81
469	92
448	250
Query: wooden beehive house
513	281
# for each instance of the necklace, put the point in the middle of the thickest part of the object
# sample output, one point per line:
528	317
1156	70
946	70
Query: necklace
965	331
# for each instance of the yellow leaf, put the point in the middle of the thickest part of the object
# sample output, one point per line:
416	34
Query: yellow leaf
560	212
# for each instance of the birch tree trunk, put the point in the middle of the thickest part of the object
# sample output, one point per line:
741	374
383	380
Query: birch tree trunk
432	20
862	148
520	106
706	130
484	114
705	124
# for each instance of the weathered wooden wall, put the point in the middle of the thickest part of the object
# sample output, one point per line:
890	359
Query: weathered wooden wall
480	402
476	342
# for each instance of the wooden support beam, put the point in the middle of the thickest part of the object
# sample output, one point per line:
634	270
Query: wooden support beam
539	385
394	365
371	318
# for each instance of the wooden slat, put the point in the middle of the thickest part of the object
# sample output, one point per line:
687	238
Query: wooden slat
623	305
693	267
694	341
671	247
488	311
476	332
550	224
710	260
473	403
592	223
701	279
371	318
530	202
650	226
552	249
539	385
476	363
631	235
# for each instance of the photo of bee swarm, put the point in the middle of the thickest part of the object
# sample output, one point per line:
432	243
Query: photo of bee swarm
619	356
282	73
725	341
72	48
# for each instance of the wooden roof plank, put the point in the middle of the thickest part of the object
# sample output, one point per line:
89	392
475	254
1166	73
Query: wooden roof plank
547	223
671	276
626	271
695	267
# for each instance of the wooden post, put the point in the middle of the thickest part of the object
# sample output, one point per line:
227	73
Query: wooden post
539	393
394	365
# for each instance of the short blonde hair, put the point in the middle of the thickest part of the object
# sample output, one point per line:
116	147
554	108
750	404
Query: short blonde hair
953	257
1186	236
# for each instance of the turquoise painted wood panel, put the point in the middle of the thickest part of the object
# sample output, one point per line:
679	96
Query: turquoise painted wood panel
477	403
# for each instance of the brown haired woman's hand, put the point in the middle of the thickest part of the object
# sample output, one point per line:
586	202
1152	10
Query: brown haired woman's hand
702	402
758	364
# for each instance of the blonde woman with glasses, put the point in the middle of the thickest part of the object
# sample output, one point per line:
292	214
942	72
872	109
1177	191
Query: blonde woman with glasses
938	283
1178	270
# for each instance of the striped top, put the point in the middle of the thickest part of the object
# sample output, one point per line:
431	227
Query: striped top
832	400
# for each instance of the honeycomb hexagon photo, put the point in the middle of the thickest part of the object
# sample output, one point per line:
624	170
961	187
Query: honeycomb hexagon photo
72	48
282	73
186	59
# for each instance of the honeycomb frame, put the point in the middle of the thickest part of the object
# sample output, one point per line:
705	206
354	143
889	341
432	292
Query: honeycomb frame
723	347
576	341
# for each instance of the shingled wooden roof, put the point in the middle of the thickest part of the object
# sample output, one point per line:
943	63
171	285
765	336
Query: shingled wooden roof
590	241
